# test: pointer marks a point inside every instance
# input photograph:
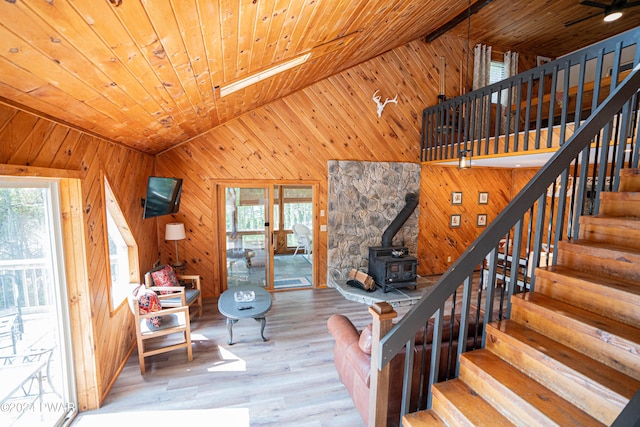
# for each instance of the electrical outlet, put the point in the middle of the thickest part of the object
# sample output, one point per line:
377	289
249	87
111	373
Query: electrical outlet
449	258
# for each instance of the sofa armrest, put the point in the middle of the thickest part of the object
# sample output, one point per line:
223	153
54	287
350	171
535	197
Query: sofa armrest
347	336
342	330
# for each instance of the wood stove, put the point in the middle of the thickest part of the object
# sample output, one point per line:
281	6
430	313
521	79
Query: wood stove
392	271
392	266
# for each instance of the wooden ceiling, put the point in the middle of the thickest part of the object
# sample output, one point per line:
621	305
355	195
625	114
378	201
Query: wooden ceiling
148	73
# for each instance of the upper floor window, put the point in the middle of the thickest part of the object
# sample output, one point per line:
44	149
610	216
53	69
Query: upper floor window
497	72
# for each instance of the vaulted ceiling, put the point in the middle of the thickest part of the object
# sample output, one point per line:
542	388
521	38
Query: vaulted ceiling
151	74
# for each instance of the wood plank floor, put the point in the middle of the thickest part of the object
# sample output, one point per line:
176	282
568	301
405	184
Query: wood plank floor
290	380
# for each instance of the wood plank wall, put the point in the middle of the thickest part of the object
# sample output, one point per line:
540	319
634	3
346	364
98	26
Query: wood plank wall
102	346
440	245
294	137
438	241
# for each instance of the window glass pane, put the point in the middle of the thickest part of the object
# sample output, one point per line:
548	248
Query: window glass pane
251	218
496	73
123	250
298	193
118	255
276	217
297	213
33	308
297	208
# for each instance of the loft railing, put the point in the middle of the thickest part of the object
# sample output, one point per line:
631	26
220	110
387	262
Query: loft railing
535	110
544	212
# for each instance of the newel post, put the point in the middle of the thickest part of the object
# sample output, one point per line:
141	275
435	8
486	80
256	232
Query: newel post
383	315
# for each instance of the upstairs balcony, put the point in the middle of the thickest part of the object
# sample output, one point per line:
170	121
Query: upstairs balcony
534	112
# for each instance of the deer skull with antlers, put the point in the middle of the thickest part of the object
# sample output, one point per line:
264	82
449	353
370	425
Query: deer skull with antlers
380	106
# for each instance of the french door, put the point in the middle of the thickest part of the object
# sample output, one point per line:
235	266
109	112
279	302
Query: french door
35	346
260	246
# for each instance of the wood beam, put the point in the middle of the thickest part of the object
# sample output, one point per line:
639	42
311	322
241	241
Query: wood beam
471	10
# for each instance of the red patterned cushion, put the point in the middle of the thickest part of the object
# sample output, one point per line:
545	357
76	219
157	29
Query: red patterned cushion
148	302
165	277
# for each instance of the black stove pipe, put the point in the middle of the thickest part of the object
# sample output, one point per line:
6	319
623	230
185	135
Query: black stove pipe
411	202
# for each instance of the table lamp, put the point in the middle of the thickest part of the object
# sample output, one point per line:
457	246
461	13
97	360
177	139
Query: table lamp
175	231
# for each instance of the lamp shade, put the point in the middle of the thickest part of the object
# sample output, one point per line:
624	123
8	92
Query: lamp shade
174	231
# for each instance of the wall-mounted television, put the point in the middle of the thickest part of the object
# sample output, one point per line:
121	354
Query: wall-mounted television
163	196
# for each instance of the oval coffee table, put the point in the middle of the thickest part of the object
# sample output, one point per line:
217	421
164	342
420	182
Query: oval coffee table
235	310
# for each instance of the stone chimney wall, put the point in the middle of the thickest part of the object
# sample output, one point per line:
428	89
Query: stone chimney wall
363	199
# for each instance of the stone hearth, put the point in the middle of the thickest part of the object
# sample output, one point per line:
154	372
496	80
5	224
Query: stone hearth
395	297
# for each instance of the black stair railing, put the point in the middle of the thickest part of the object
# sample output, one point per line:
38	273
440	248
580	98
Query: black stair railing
522	237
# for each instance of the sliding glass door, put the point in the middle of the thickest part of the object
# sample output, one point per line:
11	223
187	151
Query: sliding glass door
267	236
293	241
36	381
247	235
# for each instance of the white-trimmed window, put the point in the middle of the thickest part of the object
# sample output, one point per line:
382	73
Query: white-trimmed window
496	73
122	250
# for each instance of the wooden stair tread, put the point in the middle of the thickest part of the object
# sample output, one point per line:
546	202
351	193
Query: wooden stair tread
600	257
470	408
582	364
603	325
629	172
581	245
609	220
531	402
594	387
615	283
594	291
620	195
609	341
422	418
620	203
630	179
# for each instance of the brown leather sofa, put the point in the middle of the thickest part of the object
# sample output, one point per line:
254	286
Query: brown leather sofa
352	358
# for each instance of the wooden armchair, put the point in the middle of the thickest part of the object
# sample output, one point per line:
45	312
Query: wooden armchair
152	339
190	283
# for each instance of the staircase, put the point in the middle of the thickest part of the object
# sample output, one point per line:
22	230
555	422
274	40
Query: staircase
570	353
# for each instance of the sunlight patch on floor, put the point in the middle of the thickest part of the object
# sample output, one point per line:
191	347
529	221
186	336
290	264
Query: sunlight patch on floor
229	363
198	337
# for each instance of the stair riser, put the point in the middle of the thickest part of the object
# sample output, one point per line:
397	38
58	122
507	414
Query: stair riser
600	403
497	396
448	410
590	296
630	180
599	261
523	406
613	351
459	405
619	204
619	236
422	418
